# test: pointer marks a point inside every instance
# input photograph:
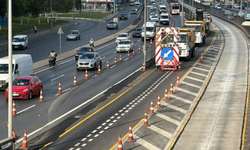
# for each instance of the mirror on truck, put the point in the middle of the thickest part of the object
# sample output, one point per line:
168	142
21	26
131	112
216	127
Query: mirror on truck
16	71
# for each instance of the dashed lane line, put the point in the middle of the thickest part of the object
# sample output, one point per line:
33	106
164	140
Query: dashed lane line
25	109
168	118
180	99
160	131
173	107
190	84
57	77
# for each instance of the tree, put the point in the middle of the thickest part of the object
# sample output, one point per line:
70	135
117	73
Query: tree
3	8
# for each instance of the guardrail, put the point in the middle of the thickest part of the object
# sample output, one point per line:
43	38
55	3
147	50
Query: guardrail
6	141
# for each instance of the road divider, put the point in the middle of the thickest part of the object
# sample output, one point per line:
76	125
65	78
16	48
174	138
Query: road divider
75	82
59	87
86	74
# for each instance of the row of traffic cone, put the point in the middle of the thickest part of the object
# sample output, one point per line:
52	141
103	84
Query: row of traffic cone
212	49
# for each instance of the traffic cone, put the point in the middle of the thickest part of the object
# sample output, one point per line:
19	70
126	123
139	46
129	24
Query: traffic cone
133	51
115	61
99	69
107	64
212	48
130	134
14	109
143	67
178	81
41	96
120	58
158	102
128	54
119	147
166	94
7	123
59	87
75	83
201	56
145	118
139	49
24	145
151	107
86	74
151	42
14	134
179	68
171	88
218	36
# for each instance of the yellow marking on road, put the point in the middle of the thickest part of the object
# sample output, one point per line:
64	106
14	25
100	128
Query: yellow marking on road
46	145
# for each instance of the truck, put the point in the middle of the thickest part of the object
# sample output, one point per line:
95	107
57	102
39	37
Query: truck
207	19
199	14
186	43
150	30
200	31
175	8
132	2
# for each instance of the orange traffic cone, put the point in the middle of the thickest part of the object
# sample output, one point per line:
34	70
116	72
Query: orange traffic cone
178	81
212	48
218	36
171	88
119	147
201	56
75	83
151	107
128	54
24	145
130	134
134	51
120	58
145	118
166	94
143	67
41	96
179	68
86	74
59	87
139	49
14	134
7	123
99	69
158	102
115	61
107	64
14	109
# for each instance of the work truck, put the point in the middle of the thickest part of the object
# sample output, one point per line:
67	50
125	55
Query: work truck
200	31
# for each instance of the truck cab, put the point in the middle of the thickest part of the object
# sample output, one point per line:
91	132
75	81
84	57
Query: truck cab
199	31
150	30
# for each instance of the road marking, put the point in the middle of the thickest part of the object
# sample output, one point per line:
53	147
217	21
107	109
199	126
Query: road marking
207	54
84	144
96	135
186	91
90	140
71	148
77	144
94	131
199	74
57	77
213	59
190	84
89	135
78	149
25	109
103	123
102	57
174	107
110	124
101	131
106	127
99	127
204	64
168	118
112	66
201	69
160	131
212	53
145	144
195	79
83	139
181	99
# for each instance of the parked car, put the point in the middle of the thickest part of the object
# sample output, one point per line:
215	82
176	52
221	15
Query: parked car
123	16
25	87
20	42
112	25
122	36
83	50
89	60
125	46
74	35
137	32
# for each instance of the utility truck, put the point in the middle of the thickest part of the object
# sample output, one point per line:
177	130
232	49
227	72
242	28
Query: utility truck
207	19
199	31
150	30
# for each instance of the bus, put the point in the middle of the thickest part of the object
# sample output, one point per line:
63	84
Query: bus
175	8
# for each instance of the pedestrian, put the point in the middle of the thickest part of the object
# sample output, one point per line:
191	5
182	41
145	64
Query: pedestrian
35	28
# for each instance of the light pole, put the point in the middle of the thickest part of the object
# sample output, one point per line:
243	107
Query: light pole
144	45
114	7
51	26
182	14
73	9
240	7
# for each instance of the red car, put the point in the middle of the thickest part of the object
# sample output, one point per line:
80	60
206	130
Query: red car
25	87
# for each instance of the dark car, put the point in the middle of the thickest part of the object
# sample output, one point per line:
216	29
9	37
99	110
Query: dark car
112	25
137	32
133	11
123	16
83	50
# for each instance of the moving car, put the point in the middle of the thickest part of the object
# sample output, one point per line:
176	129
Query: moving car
112	25
125	46
25	87
123	16
20	42
154	18
122	36
83	50
133	11
74	35
137	32
152	14
89	60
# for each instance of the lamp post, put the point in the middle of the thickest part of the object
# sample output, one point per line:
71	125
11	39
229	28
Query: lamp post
182	14
51	26
73	9
240	6
144	45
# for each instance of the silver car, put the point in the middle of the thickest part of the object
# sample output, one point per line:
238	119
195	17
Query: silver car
154	18
74	35
89	60
125	46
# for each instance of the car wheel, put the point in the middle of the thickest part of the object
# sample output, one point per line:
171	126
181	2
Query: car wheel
100	64
30	95
77	69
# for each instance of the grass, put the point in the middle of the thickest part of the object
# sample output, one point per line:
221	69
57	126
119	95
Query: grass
85	15
18	28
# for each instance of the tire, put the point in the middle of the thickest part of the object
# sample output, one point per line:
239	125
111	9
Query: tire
142	39
77	69
30	95
204	41
193	53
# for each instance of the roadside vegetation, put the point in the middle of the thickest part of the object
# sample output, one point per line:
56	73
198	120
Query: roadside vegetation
85	15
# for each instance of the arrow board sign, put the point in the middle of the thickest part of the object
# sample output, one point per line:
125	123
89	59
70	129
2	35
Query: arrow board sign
167	53
60	31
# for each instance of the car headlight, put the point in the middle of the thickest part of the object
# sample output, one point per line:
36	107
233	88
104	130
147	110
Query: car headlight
25	90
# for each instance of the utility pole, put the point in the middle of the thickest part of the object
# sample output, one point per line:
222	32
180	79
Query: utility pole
144	45
73	9
182	14
51	26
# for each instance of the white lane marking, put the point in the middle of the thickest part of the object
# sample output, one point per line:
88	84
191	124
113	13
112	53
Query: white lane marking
194	79
96	135
122	114
106	127
110	124
102	57
126	59
211	59
63	91
77	144
99	127
83	139
112	66
160	131
145	144
174	107
168	118
94	131
103	123
57	77
78	149
108	120
112	117
89	135
121	110
190	84
71	148
199	74
114	120
90	140
116	114
118	118
101	132
25	109
207	70
84	144
181	99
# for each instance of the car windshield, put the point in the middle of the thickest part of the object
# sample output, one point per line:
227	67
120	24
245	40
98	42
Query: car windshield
111	23
18	39
73	32
164	17
182	38
86	49
137	29
124	42
122	35
175	7
150	29
4	68
123	14
87	56
197	28
154	16
21	82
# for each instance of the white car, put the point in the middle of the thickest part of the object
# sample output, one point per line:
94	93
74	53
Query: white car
20	42
152	14
125	46
122	36
154	18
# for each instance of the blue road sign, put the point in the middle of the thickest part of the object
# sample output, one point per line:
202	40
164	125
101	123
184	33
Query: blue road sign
167	53
117	1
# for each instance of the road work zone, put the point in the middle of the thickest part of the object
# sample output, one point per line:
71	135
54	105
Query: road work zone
168	121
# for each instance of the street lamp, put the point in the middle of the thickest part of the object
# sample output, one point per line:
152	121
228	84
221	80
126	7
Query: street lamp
51	26
73	9
182	14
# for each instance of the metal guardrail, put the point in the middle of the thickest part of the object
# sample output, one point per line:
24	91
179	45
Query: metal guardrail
6	141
